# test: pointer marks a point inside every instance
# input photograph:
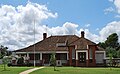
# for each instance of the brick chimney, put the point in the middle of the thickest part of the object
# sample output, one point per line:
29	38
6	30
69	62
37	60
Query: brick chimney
82	34
44	36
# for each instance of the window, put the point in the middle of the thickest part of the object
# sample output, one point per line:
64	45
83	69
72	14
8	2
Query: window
91	55
37	56
61	44
73	53
63	56
82	57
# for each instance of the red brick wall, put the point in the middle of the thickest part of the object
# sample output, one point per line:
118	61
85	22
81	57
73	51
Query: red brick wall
88	63
93	63
70	54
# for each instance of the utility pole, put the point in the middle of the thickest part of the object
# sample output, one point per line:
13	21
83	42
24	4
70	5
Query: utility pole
34	43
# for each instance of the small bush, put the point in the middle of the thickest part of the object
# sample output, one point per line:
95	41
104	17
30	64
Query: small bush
20	61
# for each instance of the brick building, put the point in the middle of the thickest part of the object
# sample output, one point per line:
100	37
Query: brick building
70	50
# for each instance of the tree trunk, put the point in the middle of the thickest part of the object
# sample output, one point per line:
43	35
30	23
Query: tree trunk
4	67
54	68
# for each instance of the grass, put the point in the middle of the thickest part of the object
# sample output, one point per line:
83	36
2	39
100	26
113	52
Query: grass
12	70
76	70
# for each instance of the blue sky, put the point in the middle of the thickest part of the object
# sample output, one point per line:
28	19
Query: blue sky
98	18
81	12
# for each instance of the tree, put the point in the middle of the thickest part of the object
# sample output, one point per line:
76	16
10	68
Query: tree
110	50
112	41
118	53
111	44
102	44
53	60
3	51
110	55
6	60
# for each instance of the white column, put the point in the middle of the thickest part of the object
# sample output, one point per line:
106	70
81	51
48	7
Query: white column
76	55
27	54
86	55
104	55
28	58
40	56
67	57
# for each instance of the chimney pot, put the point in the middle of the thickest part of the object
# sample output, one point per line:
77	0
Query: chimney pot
82	34
44	36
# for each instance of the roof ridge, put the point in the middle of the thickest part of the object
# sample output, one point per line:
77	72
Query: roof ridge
82	38
62	35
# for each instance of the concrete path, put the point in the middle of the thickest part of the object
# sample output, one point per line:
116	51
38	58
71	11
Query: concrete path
30	70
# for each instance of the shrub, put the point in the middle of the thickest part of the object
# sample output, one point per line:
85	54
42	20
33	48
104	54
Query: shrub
20	61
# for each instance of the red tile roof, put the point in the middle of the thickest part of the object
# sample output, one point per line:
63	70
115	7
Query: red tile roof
50	43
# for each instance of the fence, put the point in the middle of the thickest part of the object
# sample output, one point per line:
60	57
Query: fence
115	62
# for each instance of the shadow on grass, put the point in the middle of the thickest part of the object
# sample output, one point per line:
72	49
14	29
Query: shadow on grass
56	70
5	70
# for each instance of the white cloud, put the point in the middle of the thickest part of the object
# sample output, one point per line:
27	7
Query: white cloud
107	10
87	25
115	8
16	23
117	4
67	28
111	0
97	29
88	35
110	28
117	16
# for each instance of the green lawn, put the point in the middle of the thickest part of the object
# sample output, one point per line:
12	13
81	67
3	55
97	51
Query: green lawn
77	70
13	70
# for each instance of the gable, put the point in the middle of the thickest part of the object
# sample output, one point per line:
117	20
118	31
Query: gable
82	43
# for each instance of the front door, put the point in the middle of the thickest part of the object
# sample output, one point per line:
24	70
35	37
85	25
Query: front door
82	57
46	58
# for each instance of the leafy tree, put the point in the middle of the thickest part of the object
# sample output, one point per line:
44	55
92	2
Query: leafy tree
53	60
111	45
112	41
110	55
3	51
6	60
110	50
118	53
102	44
